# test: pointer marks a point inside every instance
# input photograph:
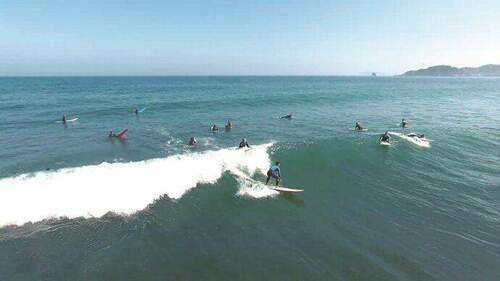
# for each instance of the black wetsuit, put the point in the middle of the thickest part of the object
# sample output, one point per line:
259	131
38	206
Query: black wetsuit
243	144
385	138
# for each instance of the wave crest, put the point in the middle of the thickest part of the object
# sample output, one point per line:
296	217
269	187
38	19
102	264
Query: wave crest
120	187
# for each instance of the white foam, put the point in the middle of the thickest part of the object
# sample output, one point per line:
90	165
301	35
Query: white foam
254	189
417	141
120	187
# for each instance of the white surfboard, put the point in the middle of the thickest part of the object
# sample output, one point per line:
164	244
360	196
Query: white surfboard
68	120
285	189
385	143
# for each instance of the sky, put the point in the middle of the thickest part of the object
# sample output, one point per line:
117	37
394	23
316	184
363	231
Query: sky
268	37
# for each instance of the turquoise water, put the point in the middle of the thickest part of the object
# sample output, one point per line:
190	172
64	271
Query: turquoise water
75	205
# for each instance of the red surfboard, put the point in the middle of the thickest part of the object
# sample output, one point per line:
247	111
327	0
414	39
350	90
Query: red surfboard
122	133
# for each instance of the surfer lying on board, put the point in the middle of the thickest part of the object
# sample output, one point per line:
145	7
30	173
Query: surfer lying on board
120	135
288	116
358	127
414	135
274	172
385	137
243	143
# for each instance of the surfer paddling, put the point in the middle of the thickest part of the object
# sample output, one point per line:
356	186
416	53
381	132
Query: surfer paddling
274	172
120	135
288	116
415	135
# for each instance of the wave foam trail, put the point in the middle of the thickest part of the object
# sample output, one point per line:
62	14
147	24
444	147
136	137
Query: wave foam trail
119	187
417	141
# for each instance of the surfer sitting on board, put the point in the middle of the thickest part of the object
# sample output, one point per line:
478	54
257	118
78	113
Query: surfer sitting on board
243	143
229	125
358	127
214	128
274	172
192	141
385	137
64	119
288	116
403	123
136	111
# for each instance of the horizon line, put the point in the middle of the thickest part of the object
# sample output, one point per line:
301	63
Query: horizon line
200	75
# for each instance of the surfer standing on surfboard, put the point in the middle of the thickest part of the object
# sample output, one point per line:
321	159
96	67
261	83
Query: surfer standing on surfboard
274	172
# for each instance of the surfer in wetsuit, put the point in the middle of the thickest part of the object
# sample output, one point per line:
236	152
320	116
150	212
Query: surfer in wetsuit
403	123
136	111
358	127
274	172
111	134
192	141
229	125
414	135
64	119
214	128
385	137
243	143
288	116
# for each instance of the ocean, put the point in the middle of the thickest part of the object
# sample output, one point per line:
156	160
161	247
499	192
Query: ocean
77	205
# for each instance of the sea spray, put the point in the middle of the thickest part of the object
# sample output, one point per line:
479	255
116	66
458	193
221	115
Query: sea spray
121	187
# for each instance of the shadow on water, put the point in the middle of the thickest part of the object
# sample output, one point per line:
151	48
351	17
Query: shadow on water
293	199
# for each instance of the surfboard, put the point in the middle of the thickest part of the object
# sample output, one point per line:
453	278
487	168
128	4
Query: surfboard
142	110
68	120
122	133
385	143
285	189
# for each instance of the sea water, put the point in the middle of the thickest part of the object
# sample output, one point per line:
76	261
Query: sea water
77	205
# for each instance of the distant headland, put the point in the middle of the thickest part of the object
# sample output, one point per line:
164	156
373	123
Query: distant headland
489	70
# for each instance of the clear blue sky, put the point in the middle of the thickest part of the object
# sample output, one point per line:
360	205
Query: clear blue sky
244	37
